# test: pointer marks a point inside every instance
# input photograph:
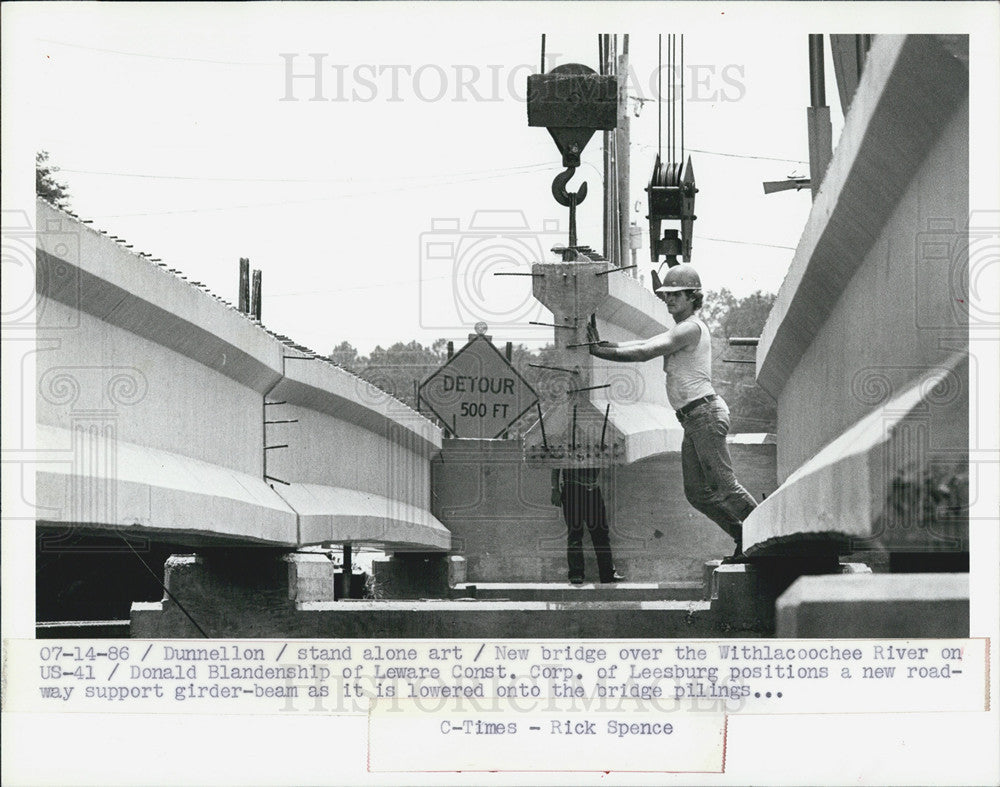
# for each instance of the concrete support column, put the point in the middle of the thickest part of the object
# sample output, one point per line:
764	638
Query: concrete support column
744	594
234	593
417	575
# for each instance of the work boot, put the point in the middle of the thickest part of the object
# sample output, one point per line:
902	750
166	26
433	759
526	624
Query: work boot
616	577
736	557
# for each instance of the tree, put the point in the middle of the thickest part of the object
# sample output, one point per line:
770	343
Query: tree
46	184
345	355
397	370
733	370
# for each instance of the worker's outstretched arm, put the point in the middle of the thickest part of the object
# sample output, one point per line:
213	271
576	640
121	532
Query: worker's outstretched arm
666	343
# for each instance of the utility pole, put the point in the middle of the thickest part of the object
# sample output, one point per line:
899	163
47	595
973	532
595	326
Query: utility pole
623	162
256	296
244	292
818	116
607	68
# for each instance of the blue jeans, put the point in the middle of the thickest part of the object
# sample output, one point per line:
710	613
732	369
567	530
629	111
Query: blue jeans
710	484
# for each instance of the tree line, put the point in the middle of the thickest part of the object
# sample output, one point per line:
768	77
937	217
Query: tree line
400	368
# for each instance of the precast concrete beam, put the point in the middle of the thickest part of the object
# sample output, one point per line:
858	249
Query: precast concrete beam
904	606
885	483
602	432
91	272
152	409
138	490
600	413
909	90
320	386
337	515
571	290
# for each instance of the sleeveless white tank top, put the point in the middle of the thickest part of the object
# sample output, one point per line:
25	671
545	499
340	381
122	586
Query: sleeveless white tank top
689	371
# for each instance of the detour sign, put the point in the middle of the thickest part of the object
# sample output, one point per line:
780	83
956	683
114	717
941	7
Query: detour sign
477	393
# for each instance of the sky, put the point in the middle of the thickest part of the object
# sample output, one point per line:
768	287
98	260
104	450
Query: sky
379	212
178	129
169	126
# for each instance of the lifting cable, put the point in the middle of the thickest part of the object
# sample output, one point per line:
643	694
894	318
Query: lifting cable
670	171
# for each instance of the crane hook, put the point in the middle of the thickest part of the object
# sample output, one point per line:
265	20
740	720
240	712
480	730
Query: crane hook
564	197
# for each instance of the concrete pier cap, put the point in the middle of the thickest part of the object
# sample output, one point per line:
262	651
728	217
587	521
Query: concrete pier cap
599	413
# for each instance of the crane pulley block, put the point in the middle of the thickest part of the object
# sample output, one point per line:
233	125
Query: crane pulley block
671	193
572	101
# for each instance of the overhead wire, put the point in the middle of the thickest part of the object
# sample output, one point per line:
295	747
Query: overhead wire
155	57
394	178
746	243
311	200
648	146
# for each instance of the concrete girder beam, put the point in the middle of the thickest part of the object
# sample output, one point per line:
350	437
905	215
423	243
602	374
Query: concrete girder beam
910	606
893	481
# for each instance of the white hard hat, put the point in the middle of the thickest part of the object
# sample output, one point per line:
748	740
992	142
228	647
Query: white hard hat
680	277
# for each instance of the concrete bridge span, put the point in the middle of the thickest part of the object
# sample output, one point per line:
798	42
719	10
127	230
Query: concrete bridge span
160	410
866	351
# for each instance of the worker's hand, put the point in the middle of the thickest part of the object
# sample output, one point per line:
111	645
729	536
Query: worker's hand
556	497
655	277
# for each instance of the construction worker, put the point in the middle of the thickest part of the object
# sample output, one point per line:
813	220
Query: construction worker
709	482
578	492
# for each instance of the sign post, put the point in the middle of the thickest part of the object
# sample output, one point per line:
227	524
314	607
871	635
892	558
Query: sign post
477	393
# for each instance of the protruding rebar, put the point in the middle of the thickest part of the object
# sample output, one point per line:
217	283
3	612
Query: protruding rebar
604	429
554	368
550	324
541	426
615	270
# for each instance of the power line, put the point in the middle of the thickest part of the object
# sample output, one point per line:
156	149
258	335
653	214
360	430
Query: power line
153	57
282	203
371	286
154	176
743	155
744	242
647	146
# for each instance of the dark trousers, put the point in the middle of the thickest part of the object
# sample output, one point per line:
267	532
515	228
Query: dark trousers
585	507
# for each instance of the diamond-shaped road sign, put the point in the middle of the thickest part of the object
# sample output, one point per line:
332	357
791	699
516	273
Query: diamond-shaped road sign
477	393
